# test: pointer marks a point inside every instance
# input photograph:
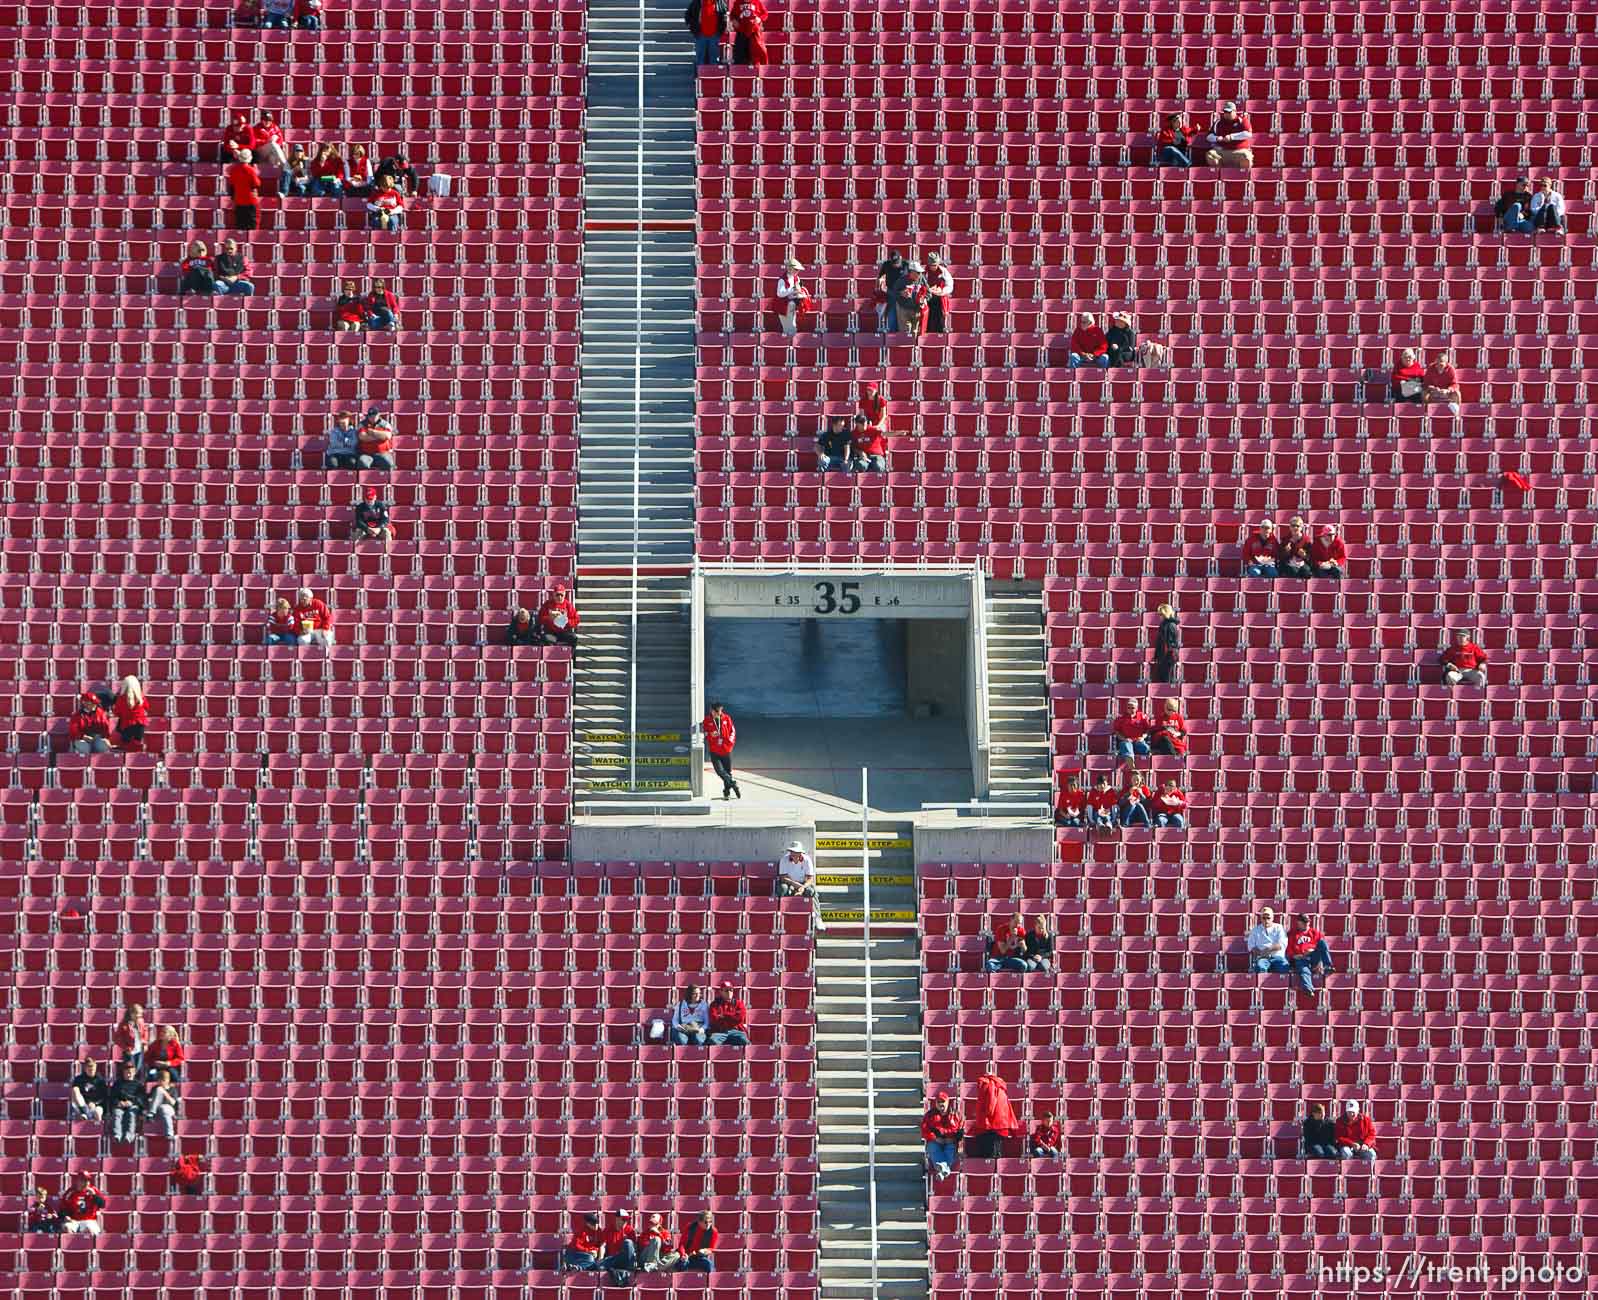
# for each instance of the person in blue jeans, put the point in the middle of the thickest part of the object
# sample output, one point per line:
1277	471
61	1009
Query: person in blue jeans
1306	949
1007	951
1320	1135
1259	551
941	1129
1130	731
707	20
1089	344
1135	800
1267	945
1513	209
690	1022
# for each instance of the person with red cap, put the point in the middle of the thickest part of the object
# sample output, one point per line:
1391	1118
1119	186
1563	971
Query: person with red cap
749	25
720	737
268	142
81	1206
558	618
1464	661
313	618
1089	344
874	406
1328	557
942	1130
729	1018
89	729
371	518
244	182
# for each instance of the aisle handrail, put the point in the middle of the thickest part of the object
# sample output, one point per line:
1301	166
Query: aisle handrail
871	1065
638	421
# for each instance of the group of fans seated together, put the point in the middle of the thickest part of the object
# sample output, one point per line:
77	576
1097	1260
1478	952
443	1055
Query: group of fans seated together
109	719
625	1248
225	271
992	1127
912	298
281	14
555	624
722	1021
1437	381
1180	143
1115	346
1524	211
1293	553
857	445
375	309
367	444
1134	735
1016	946
1275	950
307	621
143	1087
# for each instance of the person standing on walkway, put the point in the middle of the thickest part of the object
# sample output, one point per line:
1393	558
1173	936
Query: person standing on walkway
792	298
749	41
720	737
707	20
244	180
1167	641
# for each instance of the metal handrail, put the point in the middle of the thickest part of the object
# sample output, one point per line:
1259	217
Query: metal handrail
981	730
871	1066
638	421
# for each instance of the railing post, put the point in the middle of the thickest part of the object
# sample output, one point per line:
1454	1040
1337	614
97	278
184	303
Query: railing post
638	421
871	1064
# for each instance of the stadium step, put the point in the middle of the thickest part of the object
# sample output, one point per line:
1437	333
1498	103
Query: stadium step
636	459
1020	769
895	1056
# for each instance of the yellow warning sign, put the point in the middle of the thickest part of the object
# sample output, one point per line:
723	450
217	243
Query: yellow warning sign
643	760
831	914
842	878
617	737
840	842
638	785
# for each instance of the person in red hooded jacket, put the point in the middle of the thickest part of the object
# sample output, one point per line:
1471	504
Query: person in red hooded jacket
1464	661
244	182
1356	1135
89	729
558	618
1169	737
187	1175
238	137
729	1018
1089	346
942	1130
1047	1141
720	737
314	619
992	1119
749	28
1328	558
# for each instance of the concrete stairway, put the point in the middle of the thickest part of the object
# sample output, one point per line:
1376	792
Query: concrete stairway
637	411
896	1060
1021	769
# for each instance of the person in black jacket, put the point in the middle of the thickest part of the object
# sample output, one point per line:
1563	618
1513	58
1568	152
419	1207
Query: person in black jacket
1320	1135
197	270
129	1100
1167	641
89	1095
521	630
1122	340
1040	943
398	167
371	519
707	20
1513	208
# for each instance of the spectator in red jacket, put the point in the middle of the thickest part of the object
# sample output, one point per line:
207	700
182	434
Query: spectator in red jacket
1137	798
1328	558
281	626
1070	808
657	1252
327	173
1442	382
1169	737
81	1206
1407	377
729	1018
1170	806
942	1130
585	1248
188	1175
1130	731
268	143
1292	551
874	406
621	1248
1259	551
720	737
89	729
308	15
358	173
1089	346
244	182
1102	801
386	209
1007	951
749	28
379	308
1464	661
1047	1141
167	1054
1306	949
558	618
697	1244
1229	139
313	618
132	713
1356	1135
1173	142
870	448
237	139
349	312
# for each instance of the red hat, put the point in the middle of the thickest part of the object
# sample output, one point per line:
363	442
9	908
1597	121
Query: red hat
943	1096
88	697
371	494
870	387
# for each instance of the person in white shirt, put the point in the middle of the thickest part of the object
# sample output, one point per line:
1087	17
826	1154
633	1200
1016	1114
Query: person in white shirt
796	878
1548	207
690	1022
940	287
792	296
1267	945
